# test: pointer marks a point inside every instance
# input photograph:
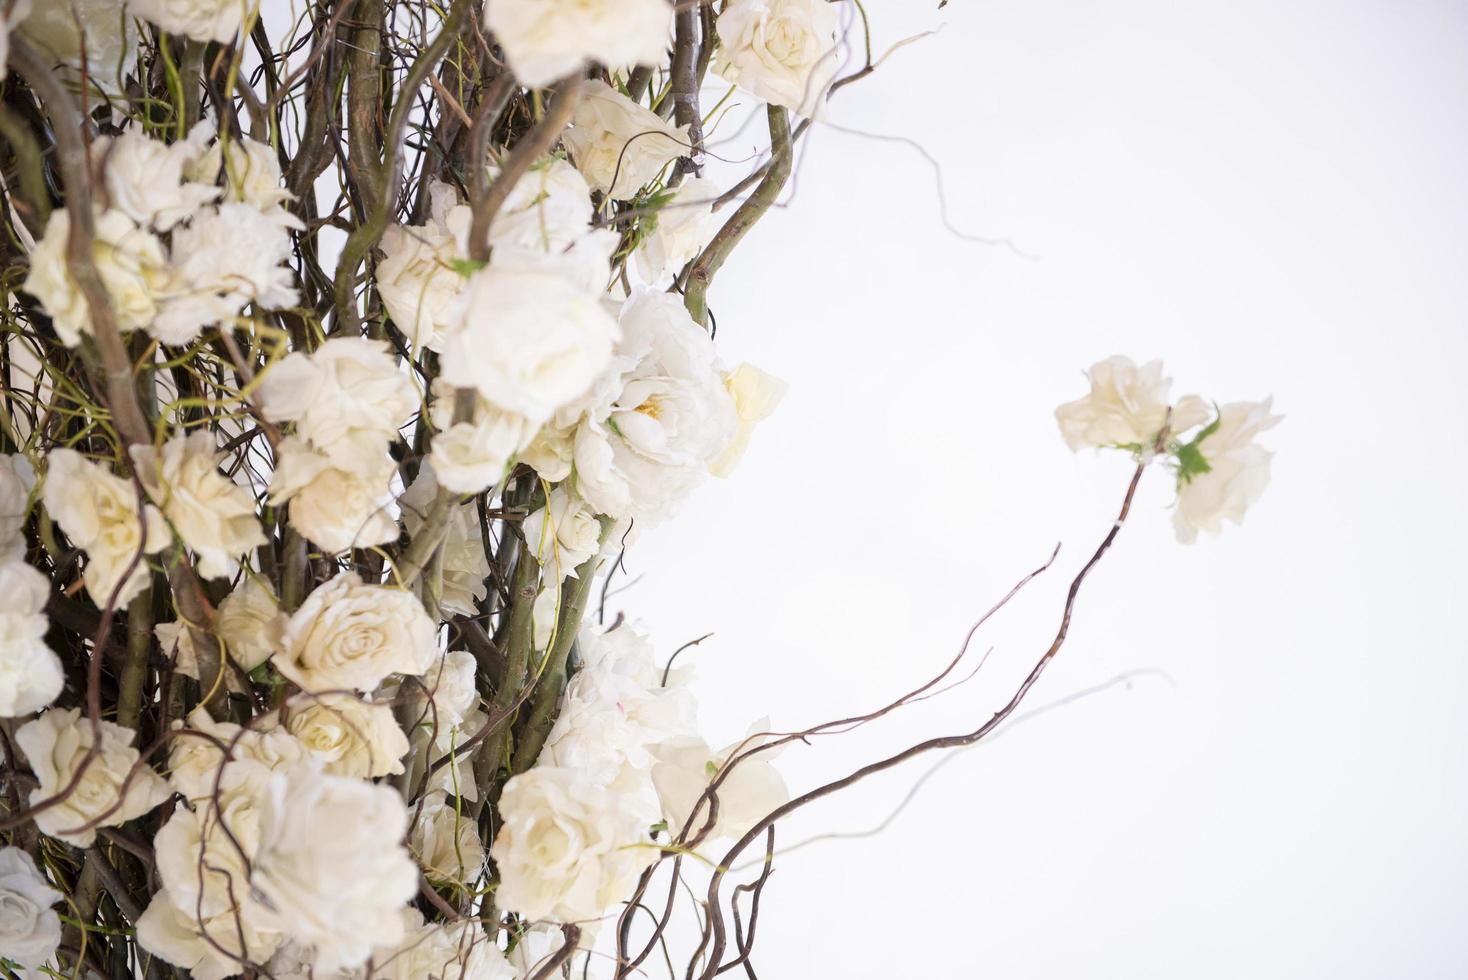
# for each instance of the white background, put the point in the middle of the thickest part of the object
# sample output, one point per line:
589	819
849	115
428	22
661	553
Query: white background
1271	197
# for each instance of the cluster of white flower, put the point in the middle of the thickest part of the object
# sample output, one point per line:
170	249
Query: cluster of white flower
1221	469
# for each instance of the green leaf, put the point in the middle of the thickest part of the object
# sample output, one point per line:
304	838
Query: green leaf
1190	460
712	768
466	267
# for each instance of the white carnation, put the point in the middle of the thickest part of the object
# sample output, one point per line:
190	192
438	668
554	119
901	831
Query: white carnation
1238	471
619	145
144	177
431	951
337	501
782	51
30	930
545	40
251	174
456	774
350	636
346	397
419	274
548	209
30	672
112	789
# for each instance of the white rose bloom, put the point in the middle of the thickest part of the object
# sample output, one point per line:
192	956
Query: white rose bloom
99	512
528	341
17	479
455	777
292	961
1237	475
544	41
224	258
213	515
619	145
756	395
747	795
348	736
30	930
552	452
641	452
446	841
563	534
251	174
30	672
567	848
336	501
447	951
332	864
59	30
177	643
547	211
198	748
144	177
350	636
17	11
1127	406
345	397
202	20
683	225
419	274
250	623
465	565
130	261
181	937
110	791
782	51
451	684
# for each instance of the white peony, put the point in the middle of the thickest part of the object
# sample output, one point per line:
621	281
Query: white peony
144	177
528	341
562	534
782	51
202	20
250	622
17	479
129	259
445	839
99	512
464	562
348	736
684	769
30	672
213	515
756	395
112	789
336	501
350	636
663	419
1127	406
545	40
332	865
30	930
1238	471
346	397
683	225
619	145
567	848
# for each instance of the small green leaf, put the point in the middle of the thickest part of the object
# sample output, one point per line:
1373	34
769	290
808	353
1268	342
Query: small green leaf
466	267
712	768
1190	460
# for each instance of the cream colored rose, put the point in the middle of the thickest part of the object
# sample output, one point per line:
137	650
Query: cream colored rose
544	41
213	515
418	279
30	930
563	534
567	849
196	750
618	145
112	789
1238	471
348	397
99	512
348	736
208	947
441	951
336	501
30	672
130	261
684	770
445	839
1127	406
756	395
783	51
681	228
249	622
17	479
350	636
202	20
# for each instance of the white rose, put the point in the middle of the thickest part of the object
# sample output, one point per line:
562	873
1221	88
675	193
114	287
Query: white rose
563	534
782	51
251	174
130	262
112	789
16	482
202	20
683	225
144	177
547	41
198	748
456	776
451	951
464	562
336	501
30	672
749	793
670	416
451	686
346	397
1238	471
99	512
619	145
349	635
1127	406
199	944
528	341
332	864
548	209
213	515
446	841
420	272
348	736
250	623
30	930
756	395
567	848
60	30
